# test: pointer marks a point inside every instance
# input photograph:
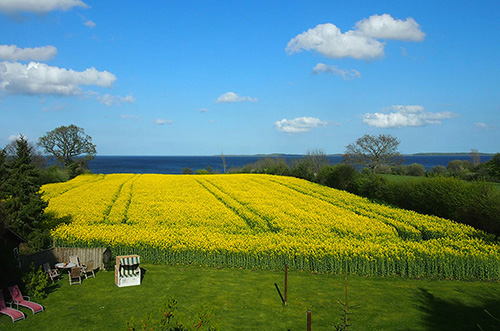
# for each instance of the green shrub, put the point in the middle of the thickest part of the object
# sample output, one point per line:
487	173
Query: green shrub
473	203
187	171
341	176
399	170
54	174
457	167
416	169
383	169
438	170
494	166
36	283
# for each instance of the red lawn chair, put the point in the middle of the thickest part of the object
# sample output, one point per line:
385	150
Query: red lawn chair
16	315
20	300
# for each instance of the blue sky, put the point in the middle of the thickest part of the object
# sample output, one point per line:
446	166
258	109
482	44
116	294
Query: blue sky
205	77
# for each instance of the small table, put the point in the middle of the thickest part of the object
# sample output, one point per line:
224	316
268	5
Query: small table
65	266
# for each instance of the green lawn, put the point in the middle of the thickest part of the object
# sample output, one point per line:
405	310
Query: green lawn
248	300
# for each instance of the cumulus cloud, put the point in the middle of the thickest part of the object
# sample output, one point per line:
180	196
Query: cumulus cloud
360	43
39	78
233	97
39	6
299	124
328	40
386	27
401	116
110	100
14	53
161	121
331	69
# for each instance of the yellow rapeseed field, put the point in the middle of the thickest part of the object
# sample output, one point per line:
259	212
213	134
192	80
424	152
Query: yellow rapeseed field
264	221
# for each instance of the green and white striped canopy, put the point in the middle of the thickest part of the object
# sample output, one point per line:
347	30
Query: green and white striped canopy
130	260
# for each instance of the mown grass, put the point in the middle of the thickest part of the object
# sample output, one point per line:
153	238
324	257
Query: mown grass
247	300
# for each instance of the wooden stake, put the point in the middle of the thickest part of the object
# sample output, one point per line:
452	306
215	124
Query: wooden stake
308	320
286	284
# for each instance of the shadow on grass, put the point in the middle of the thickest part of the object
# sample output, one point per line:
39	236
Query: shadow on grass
53	287
453	315
143	273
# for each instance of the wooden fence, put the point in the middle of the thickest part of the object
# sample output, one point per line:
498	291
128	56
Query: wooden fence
61	254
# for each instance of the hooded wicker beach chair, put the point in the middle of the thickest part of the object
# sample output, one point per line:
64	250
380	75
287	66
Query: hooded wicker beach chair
127	270
24	301
15	314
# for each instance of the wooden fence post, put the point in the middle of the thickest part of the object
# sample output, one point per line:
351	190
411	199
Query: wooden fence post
286	284
308	320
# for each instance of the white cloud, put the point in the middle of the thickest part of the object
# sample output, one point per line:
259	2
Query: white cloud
14	53
110	100
89	24
360	43
328	40
39	78
484	126
14	137
386	27
233	97
203	110
39	6
345	74
299	124
161	121
401	116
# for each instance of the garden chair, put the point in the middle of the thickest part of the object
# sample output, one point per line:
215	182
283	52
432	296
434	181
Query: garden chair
76	260
15	314
75	273
24	301
52	273
88	271
127	270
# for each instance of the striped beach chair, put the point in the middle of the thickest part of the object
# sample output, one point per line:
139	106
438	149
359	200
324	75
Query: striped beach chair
127	270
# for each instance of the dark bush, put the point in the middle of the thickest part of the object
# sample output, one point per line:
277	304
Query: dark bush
473	203
272	166
54	174
457	167
187	171
416	169
438	170
341	176
399	170
303	169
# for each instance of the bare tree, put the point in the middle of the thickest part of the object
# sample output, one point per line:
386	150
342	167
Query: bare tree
65	143
374	151
474	155
317	159
223	161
